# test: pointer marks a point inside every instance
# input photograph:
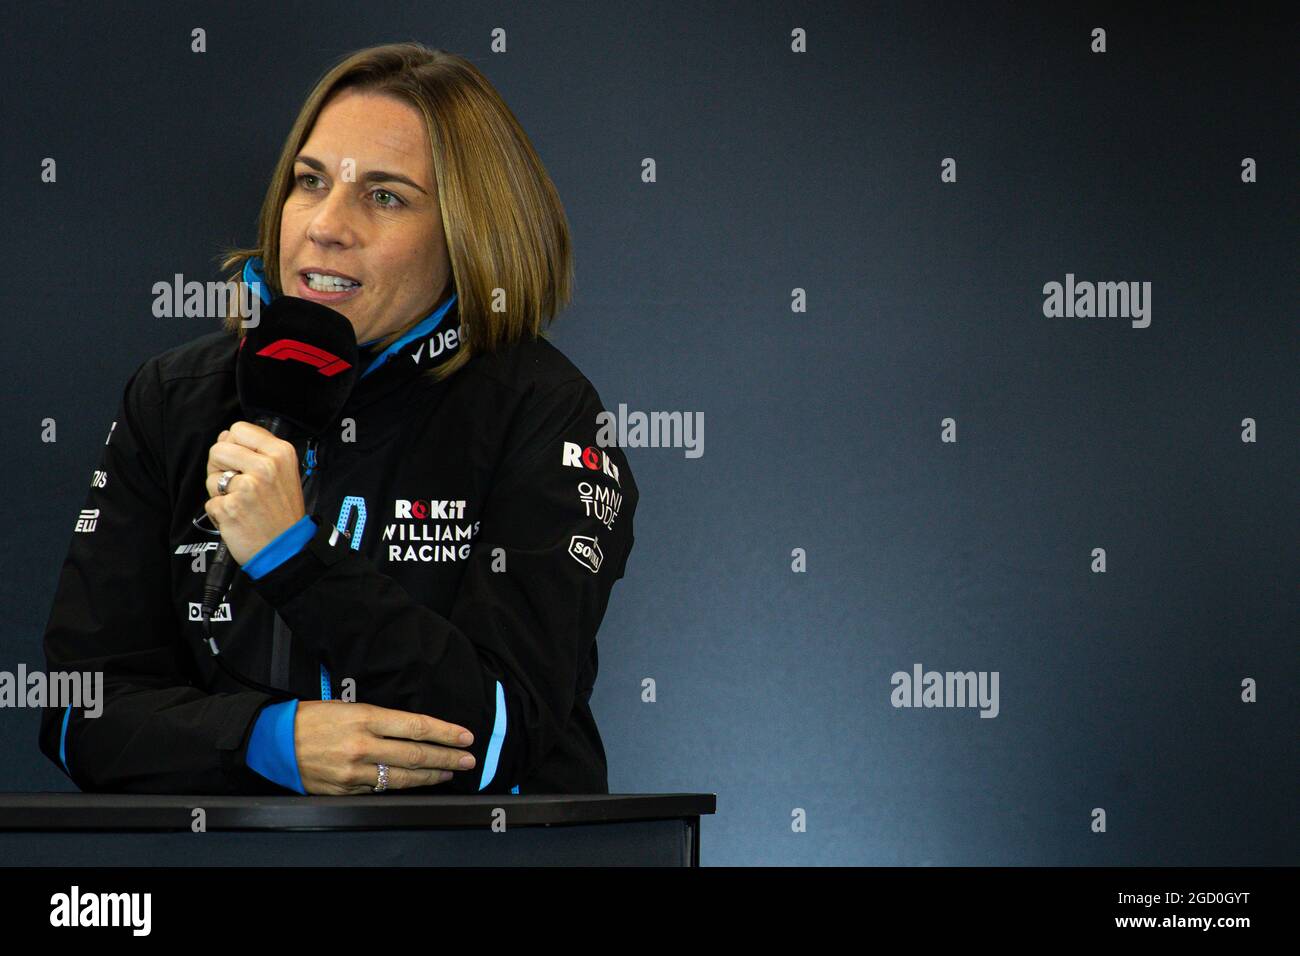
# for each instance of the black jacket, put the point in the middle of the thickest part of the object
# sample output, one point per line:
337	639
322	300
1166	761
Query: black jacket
487	529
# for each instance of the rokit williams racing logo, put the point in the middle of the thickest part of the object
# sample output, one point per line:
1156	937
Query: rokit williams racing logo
429	530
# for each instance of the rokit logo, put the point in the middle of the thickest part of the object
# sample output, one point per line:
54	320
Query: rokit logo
601	503
586	551
429	530
591	458
222	613
442	510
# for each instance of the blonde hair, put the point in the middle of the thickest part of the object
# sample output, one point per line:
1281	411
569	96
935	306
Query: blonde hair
505	226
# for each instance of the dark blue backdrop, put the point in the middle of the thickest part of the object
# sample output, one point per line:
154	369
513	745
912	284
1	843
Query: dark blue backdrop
818	171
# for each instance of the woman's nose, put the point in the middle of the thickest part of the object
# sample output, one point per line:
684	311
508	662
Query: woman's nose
331	220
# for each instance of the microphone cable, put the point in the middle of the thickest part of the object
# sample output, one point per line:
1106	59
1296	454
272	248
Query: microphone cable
233	674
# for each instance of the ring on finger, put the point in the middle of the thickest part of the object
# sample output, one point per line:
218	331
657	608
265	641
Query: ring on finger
224	482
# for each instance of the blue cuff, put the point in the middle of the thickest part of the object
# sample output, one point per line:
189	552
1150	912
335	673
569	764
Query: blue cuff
494	744
271	751
285	545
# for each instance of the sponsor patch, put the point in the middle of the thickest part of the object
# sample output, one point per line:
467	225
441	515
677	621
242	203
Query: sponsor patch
586	551
591	458
222	613
600	502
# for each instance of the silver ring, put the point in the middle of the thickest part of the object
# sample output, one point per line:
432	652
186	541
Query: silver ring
224	481
383	778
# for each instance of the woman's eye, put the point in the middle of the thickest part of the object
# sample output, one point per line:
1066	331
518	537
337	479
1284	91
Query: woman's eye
394	200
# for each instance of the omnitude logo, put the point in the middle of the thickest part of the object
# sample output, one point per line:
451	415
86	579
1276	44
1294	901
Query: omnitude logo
949	689
1101	299
601	502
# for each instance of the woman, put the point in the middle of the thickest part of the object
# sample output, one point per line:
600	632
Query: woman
484	525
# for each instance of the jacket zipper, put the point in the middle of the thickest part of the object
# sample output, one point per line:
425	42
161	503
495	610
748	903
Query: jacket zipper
313	482
281	636
313	479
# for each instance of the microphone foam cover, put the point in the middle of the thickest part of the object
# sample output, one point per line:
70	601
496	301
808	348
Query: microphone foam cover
299	362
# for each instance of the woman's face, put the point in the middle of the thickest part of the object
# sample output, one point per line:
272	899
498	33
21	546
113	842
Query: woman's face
383	228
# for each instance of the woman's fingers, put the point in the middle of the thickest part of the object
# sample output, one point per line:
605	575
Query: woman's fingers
363	776
229	457
413	755
410	761
339	746
399	778
247	447
386	722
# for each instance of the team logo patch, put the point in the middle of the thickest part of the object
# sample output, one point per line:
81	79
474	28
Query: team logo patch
586	551
196	548
590	458
429	529
222	613
602	503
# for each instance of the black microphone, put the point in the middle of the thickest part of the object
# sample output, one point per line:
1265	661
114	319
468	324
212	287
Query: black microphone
294	371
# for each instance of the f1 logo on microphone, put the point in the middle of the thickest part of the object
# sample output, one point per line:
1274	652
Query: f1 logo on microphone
293	350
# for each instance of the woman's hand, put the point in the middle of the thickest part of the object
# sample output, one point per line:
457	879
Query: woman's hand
340	744
263	499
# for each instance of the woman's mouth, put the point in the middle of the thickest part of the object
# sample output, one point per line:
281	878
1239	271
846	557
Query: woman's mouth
326	288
